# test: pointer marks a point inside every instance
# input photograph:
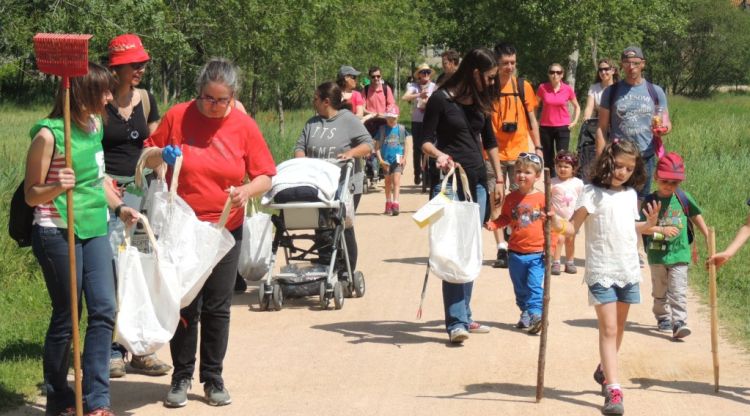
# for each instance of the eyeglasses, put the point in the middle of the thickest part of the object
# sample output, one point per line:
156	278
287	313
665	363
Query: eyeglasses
632	63
532	157
376	76
137	66
605	69
223	102
555	72
425	72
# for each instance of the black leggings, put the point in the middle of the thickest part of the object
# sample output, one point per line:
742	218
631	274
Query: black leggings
553	140
326	237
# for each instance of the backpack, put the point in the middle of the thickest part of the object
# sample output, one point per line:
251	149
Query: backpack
386	87
682	198
21	216
388	157
521	93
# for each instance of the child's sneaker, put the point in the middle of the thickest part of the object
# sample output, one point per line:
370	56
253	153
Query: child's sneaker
525	321
388	208
458	335
664	325
555	270
570	268
536	324
477	328
394	209
680	330
613	403
599	378
502	259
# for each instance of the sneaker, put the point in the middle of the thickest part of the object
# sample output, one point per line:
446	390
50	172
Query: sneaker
664	325
555	270
116	367
536	324
150	365
417	180
599	378
388	208
458	335
240	285
680	330
570	268
216	393
177	396
102	411
502	259
477	328
394	208
525	321
613	403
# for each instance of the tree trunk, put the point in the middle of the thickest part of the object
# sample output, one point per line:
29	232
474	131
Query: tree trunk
396	82
594	51
280	107
572	66
164	84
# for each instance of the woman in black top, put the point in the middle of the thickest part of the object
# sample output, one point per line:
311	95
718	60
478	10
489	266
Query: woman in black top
130	120
457	128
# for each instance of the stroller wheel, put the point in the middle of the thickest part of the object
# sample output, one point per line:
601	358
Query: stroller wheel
277	297
323	296
358	282
338	295
263	299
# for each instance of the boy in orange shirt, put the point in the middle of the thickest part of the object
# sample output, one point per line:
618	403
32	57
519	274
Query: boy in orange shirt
523	209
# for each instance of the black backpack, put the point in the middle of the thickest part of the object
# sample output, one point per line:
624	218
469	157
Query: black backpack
386	87
682	198
21	218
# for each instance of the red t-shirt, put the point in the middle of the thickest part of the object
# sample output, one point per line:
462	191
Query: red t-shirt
523	212
217	153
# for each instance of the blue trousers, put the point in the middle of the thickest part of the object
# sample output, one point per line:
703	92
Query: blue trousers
527	274
457	297
97	283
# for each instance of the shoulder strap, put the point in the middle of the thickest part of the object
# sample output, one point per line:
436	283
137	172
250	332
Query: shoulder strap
682	198
145	102
652	92
366	89
521	90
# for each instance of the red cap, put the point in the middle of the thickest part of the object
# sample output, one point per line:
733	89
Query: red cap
126	49
671	167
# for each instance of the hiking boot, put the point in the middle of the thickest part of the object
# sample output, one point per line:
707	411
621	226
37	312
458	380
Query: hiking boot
613	403
395	209
150	365
680	330
555	269
102	411
477	328
599	378
458	335
502	259
525	321
664	325
570	268
177	396
216	393
116	367
388	208
536	324
417	180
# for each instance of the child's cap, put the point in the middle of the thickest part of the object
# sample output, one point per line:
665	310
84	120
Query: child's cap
567	157
391	112
671	167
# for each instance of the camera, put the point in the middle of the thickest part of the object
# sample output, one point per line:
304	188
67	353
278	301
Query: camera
510	127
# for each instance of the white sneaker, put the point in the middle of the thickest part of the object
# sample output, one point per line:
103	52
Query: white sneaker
458	336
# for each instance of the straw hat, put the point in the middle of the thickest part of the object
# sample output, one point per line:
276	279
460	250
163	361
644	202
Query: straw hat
422	67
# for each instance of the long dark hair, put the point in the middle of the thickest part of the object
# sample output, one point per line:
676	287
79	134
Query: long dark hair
615	73
462	83
604	167
86	94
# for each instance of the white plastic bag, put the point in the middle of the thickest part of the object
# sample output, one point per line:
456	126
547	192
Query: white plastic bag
255	253
147	296
456	237
192	245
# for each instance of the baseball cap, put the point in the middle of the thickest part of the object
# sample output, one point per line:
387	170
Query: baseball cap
126	49
671	167
632	52
348	70
391	112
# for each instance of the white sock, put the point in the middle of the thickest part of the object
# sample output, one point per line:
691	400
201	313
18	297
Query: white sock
611	387
502	246
556	262
388	201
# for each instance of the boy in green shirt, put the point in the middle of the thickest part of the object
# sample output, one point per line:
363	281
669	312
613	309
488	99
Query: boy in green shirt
668	245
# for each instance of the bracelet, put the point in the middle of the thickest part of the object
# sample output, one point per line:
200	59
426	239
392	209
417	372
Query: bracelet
538	148
118	209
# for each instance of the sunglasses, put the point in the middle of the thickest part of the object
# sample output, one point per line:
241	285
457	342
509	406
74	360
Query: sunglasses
137	66
376	76
425	72
352	76
555	72
605	69
531	157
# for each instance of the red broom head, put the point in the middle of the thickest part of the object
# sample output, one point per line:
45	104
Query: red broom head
62	54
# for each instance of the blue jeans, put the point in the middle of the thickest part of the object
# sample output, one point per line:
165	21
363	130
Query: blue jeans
527	275
650	165
96	280
457	297
599	295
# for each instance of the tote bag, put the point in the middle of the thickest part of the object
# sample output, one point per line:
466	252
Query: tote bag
255	253
455	238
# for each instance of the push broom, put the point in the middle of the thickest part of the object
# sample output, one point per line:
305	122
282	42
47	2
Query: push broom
66	56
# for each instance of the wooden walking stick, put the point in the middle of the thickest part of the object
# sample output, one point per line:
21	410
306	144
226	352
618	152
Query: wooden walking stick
67	56
545	302
714	306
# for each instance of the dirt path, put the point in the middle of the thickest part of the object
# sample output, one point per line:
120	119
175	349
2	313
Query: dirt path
374	358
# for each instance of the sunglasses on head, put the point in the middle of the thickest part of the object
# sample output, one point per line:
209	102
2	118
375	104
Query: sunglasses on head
555	72
605	69
532	157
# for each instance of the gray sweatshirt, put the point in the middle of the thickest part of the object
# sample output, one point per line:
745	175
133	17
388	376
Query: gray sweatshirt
323	138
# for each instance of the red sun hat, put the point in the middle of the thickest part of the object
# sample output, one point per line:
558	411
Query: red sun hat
671	167
126	49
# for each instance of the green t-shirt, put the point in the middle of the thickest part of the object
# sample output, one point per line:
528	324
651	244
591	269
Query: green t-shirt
676	249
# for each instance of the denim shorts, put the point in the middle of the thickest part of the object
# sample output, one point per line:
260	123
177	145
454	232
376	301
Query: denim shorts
599	295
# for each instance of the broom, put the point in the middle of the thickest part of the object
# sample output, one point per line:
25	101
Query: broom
67	56
545	302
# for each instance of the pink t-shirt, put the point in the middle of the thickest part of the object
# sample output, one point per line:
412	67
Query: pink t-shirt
356	101
564	195
378	100
555	104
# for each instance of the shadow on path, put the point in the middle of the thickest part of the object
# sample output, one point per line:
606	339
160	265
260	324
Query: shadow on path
648	330
737	394
521	394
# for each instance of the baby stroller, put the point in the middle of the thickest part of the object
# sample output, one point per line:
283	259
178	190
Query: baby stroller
311	194
373	173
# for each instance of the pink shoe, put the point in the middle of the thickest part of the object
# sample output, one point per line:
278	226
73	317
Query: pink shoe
388	208
394	208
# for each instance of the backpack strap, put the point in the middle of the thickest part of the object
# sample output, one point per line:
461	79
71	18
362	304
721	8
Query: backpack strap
145	103
652	92
612	98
